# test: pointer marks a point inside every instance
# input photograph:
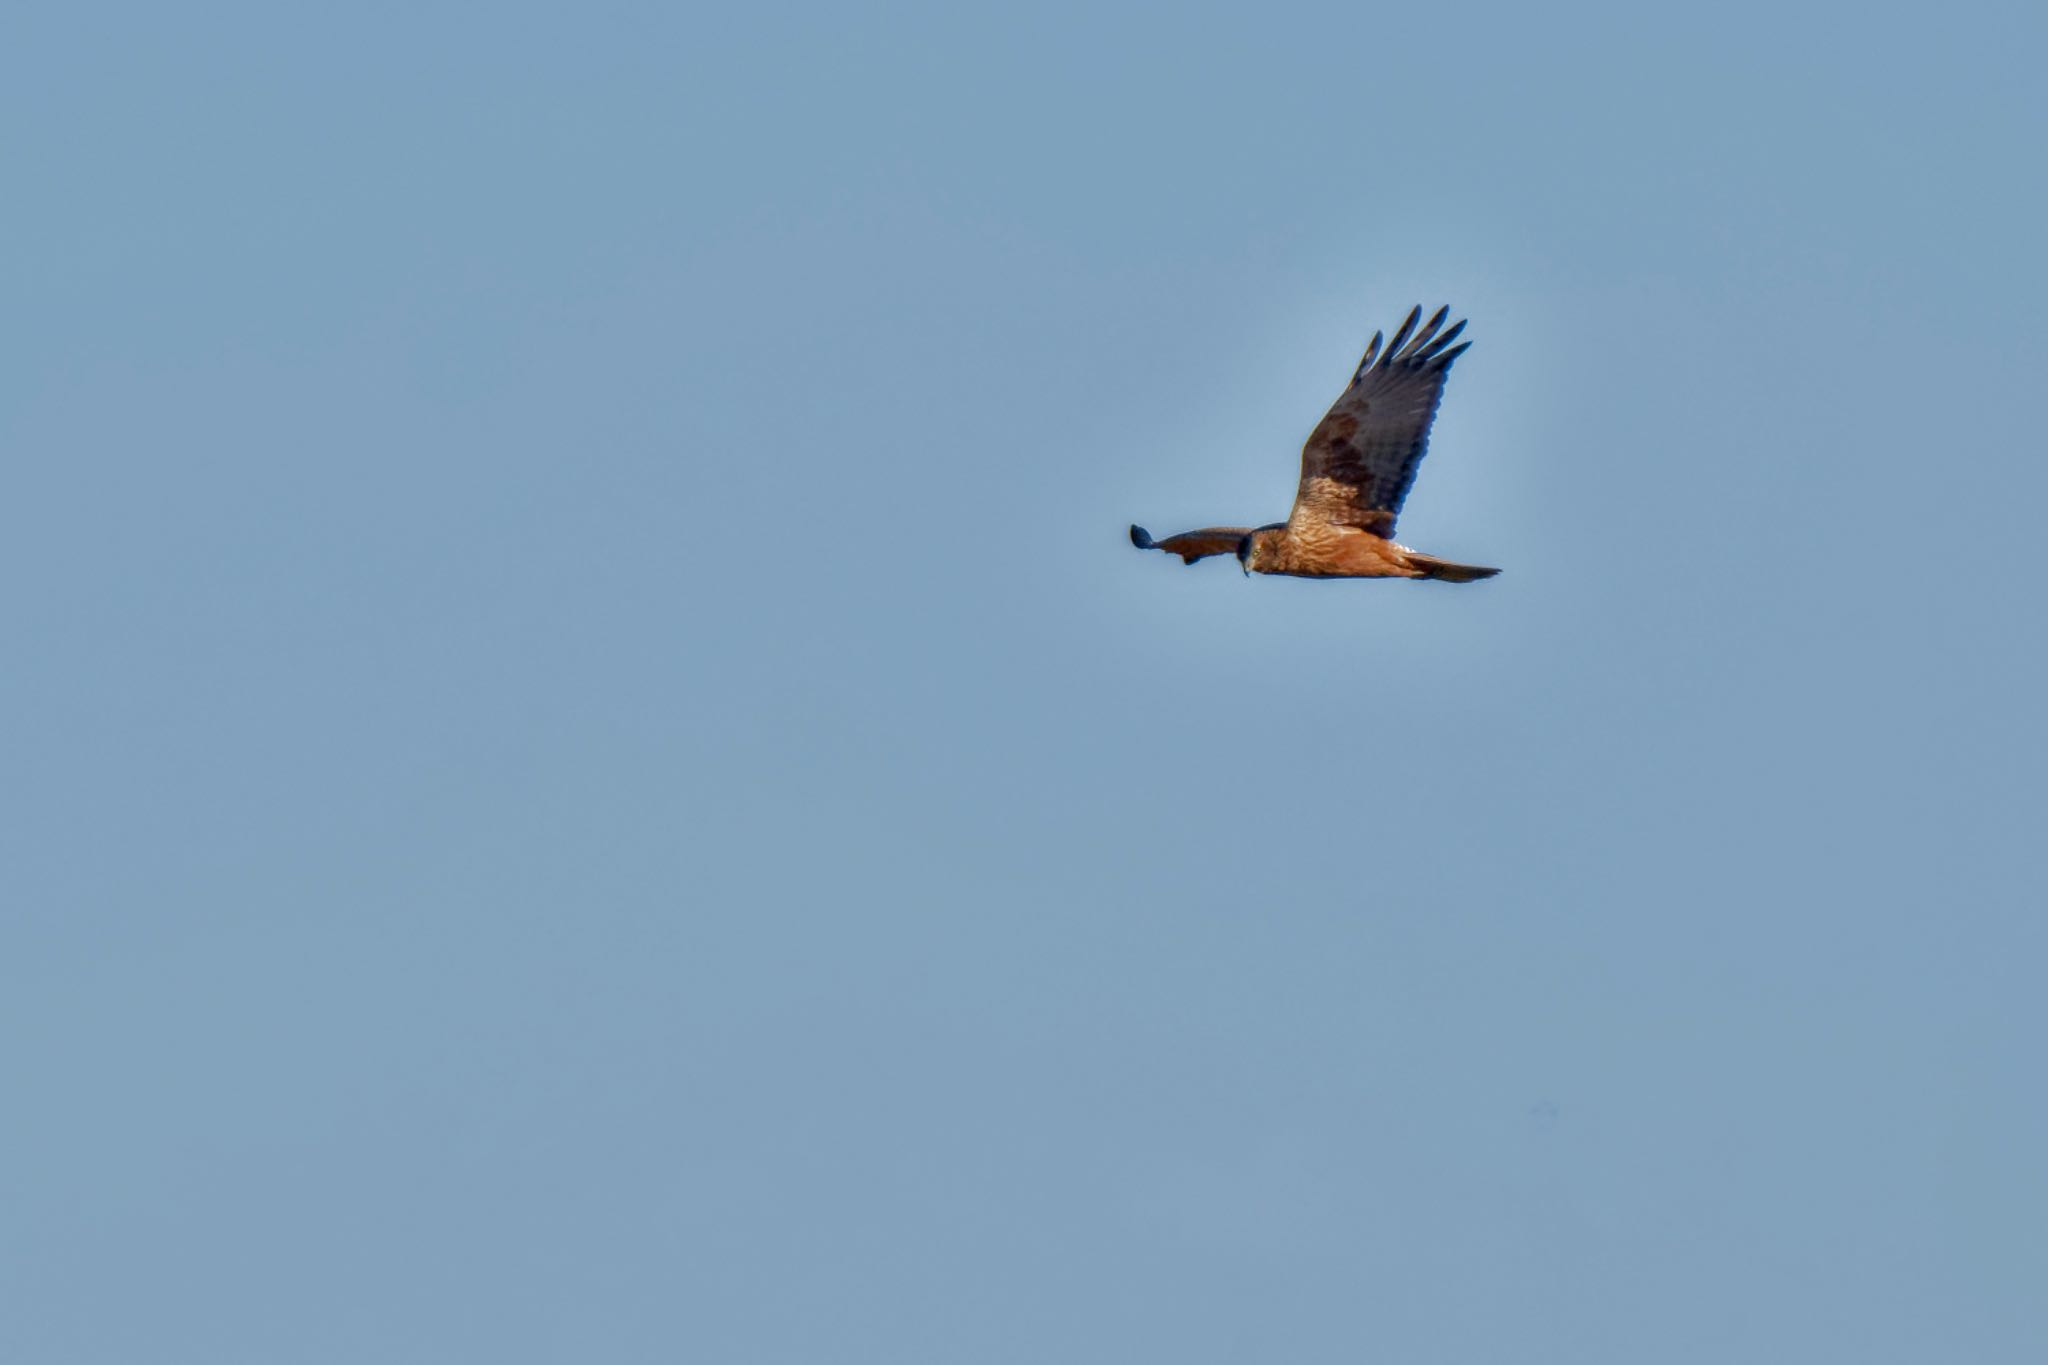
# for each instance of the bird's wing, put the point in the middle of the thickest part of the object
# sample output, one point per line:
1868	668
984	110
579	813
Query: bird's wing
1362	456
1193	545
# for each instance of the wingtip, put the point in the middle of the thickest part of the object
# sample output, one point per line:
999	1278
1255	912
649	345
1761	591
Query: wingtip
1401	335
1372	353
1437	346
1141	537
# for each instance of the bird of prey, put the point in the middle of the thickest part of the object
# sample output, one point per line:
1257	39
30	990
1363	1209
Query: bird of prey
1355	470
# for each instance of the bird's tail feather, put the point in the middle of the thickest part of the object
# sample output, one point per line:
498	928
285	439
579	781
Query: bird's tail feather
1432	567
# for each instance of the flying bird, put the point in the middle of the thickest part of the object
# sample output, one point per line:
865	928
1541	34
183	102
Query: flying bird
1355	470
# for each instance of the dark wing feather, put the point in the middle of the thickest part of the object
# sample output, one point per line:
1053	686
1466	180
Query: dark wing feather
1361	458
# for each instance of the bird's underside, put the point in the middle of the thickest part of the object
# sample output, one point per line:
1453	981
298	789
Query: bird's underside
1355	470
1321	552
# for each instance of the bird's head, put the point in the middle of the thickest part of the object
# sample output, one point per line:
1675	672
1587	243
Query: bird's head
1256	550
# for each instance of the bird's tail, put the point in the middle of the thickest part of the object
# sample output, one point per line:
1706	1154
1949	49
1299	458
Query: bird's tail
1432	567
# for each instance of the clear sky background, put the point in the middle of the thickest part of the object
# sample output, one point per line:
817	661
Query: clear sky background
590	775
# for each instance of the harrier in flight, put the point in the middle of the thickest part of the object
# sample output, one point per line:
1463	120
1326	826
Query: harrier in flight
1355	470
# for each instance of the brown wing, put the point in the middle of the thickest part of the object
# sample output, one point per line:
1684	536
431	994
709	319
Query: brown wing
1362	456
1193	545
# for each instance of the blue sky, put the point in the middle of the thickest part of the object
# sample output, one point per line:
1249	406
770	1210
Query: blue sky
592	776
